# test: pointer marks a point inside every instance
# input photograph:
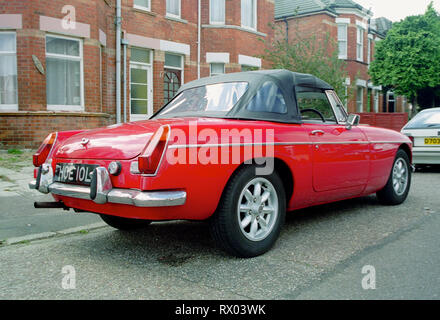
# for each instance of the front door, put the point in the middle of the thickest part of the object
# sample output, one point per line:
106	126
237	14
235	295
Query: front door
340	156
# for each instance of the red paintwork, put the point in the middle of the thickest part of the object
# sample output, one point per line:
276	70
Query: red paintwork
329	173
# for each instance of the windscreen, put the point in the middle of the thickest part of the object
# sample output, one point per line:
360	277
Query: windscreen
210	100
425	120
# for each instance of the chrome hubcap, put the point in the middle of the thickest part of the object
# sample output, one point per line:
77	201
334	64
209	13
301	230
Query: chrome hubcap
257	209
400	176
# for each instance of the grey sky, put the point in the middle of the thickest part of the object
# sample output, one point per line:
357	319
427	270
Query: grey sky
395	10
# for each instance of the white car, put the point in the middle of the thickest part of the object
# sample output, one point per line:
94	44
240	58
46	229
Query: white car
424	131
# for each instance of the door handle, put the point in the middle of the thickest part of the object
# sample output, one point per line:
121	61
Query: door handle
317	133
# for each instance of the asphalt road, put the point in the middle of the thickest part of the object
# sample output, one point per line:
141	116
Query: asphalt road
320	255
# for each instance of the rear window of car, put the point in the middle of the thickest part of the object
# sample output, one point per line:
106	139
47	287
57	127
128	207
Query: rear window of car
217	98
425	120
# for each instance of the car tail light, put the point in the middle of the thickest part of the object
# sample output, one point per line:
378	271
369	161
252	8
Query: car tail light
149	160
43	152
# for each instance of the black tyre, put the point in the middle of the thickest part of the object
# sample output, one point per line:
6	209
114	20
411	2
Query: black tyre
397	188
251	213
124	223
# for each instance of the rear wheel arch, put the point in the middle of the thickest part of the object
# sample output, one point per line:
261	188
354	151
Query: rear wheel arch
283	170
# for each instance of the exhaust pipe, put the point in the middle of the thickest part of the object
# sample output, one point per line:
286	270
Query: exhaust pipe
50	205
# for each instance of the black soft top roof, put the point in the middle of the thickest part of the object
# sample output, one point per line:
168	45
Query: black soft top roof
285	77
286	80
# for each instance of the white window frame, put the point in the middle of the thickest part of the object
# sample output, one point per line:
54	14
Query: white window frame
210	17
255	13
344	57
11	107
376	100
149	68
139	7
168	14
55	107
360	44
369	51
361	109
217	63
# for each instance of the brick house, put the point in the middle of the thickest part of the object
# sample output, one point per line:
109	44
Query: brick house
58	59
350	26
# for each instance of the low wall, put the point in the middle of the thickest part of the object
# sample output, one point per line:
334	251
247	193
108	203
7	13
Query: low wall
393	121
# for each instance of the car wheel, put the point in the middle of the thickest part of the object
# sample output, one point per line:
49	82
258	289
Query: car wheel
124	223
251	213
397	188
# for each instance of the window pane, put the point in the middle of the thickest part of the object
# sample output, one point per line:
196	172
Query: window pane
248	13
269	98
140	55
360	99
139	91
217	8
8	79
139	107
172	60
7	42
316	101
342	32
63	82
217	68
139	75
173	7
142	3
62	46
342	48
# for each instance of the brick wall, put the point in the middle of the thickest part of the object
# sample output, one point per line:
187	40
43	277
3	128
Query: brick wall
27	126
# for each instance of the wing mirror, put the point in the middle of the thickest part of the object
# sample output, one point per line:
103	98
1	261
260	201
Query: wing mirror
353	120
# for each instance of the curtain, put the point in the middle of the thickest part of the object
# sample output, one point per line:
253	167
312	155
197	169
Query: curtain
173	7
8	79
63	82
63	75
248	13
217	8
8	69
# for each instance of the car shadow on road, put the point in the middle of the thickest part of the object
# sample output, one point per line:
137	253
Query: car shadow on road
175	243
428	169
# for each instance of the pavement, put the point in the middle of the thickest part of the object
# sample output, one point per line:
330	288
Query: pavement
18	218
320	255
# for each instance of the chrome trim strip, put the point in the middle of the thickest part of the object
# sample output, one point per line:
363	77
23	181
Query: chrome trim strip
224	145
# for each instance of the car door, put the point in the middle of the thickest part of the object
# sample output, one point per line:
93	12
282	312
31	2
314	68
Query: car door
340	155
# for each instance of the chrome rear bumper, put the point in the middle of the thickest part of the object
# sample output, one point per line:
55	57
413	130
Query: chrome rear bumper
105	193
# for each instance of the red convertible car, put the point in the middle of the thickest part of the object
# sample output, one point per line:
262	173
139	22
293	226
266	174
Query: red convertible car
239	150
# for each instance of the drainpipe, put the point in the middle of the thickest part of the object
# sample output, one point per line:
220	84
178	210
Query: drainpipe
124	77
199	24
118	61
287	30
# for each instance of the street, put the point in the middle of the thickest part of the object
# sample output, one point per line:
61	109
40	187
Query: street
321	254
